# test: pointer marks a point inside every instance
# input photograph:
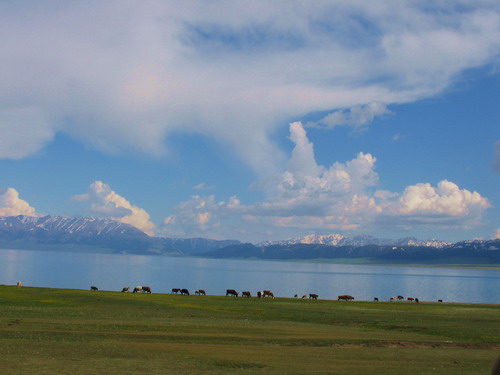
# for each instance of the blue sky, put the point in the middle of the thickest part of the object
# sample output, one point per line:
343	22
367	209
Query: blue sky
254	120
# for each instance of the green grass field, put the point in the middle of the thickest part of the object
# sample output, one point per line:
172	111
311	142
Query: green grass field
58	331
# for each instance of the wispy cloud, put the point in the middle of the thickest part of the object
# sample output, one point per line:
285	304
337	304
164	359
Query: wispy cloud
358	117
203	186
121	77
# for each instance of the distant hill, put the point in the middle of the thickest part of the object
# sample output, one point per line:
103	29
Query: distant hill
466	252
88	234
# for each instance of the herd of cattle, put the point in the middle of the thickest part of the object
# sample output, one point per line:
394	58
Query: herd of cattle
248	294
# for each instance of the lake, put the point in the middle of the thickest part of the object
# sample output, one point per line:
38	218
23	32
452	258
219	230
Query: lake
285	279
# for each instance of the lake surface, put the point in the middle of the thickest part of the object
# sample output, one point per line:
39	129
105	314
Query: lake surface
285	279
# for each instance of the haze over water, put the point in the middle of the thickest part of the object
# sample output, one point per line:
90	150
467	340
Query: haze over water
285	279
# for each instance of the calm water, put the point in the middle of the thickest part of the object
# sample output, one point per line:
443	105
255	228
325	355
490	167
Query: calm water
112	272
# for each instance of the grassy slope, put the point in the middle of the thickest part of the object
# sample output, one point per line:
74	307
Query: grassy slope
48	331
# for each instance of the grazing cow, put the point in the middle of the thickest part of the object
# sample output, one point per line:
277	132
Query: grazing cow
259	294
440	300
184	292
345	297
19	284
175	290
125	289
313	296
267	293
137	289
375	299
94	288
400	298
416	300
304	296
146	289
246	294
393	298
411	299
295	296
231	292
200	292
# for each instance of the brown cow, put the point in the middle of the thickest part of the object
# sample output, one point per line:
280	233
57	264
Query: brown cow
267	293
246	294
125	289
313	296
345	297
94	288
175	290
231	292
146	289
200	292
410	299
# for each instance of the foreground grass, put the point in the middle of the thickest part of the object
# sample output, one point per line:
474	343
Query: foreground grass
56	331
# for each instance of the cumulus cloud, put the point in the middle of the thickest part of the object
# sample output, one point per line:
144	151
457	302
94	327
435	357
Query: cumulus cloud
358	117
496	157
12	205
121	77
343	196
105	202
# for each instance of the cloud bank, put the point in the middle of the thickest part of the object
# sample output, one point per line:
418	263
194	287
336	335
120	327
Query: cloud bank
121	76
105	202
12	205
308	196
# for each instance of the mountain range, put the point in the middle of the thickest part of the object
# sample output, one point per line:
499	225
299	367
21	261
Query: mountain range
106	235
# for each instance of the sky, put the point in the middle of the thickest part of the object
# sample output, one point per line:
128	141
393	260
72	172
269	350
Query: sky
254	120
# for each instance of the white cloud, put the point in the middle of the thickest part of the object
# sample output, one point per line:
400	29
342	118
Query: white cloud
12	205
122	76
358	117
105	202
309	196
497	234
496	157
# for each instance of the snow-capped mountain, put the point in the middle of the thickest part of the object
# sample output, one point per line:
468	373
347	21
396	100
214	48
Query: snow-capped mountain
46	231
64	227
340	240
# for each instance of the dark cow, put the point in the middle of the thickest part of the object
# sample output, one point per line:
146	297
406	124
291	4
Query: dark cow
146	289
416	300
231	292
304	296
94	288
246	294
375	299
125	289
400	298
345	297
313	296
410	299
200	292
175	290
295	296
267	293
440	300
259	294
185	292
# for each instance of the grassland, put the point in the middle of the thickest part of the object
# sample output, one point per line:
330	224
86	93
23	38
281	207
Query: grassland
57	331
